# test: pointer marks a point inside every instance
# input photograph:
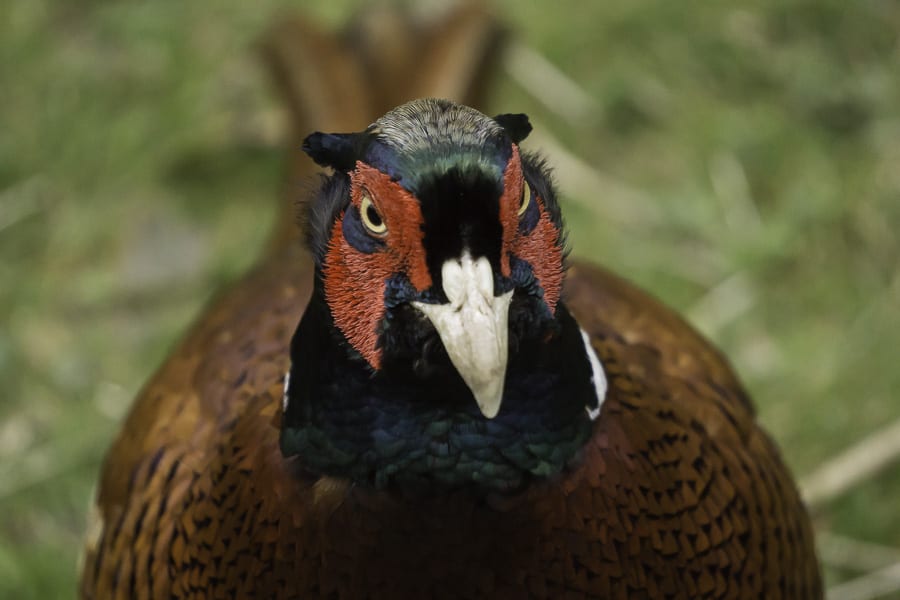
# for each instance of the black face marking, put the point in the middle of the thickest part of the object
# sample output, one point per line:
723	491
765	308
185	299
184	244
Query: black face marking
461	211
324	209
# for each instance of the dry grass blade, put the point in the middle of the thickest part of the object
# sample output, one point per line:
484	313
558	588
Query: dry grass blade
22	200
723	303
599	193
859	462
856	555
550	86
878	584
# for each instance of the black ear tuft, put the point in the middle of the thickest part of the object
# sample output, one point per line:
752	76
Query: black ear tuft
337	150
516	125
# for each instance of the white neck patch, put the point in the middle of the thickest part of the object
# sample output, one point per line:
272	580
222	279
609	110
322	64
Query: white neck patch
284	395
598	376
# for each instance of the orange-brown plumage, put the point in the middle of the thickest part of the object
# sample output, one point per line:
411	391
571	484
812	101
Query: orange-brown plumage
678	490
677	493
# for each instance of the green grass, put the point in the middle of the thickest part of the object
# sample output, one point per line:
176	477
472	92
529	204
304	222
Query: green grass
137	167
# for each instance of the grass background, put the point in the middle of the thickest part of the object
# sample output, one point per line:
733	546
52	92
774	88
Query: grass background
750	176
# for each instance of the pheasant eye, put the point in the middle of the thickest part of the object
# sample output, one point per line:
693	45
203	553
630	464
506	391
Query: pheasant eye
370	217
526	198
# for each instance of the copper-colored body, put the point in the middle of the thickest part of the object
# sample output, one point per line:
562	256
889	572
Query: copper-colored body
677	494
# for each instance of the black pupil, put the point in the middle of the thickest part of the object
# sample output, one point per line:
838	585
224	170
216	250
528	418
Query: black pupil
373	216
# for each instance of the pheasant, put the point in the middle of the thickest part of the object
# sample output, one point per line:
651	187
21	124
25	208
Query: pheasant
433	401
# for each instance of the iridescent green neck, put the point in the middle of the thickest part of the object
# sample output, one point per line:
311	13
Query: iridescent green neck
398	428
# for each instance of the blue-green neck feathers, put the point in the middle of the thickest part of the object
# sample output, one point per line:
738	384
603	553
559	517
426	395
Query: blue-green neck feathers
398	427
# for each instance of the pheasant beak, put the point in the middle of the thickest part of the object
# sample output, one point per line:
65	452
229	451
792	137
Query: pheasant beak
474	328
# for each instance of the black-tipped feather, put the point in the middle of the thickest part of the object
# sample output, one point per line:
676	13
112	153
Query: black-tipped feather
516	125
339	151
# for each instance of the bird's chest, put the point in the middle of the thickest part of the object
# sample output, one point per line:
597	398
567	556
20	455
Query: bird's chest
370	544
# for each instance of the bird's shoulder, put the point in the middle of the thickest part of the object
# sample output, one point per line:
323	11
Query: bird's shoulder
229	366
677	457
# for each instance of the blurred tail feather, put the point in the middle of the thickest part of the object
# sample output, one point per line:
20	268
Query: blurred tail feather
340	81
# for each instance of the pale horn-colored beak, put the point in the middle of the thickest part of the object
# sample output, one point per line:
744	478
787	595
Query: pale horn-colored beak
474	328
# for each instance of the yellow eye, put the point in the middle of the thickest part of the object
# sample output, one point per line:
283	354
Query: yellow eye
526	198
370	217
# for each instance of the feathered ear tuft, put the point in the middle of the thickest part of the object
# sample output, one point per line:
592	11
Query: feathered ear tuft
337	150
516	125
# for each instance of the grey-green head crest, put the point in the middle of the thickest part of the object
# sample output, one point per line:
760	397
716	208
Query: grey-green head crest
424	138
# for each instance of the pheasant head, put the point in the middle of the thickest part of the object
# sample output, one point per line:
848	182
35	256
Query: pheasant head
436	320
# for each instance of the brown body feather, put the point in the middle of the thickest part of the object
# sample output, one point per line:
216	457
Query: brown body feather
677	494
678	491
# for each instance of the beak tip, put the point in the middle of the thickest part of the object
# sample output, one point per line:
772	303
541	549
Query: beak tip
489	404
489	412
473	327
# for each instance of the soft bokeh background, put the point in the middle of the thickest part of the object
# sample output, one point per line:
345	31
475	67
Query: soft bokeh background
741	163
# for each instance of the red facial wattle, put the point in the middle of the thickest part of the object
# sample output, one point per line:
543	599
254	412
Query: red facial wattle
354	280
539	247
